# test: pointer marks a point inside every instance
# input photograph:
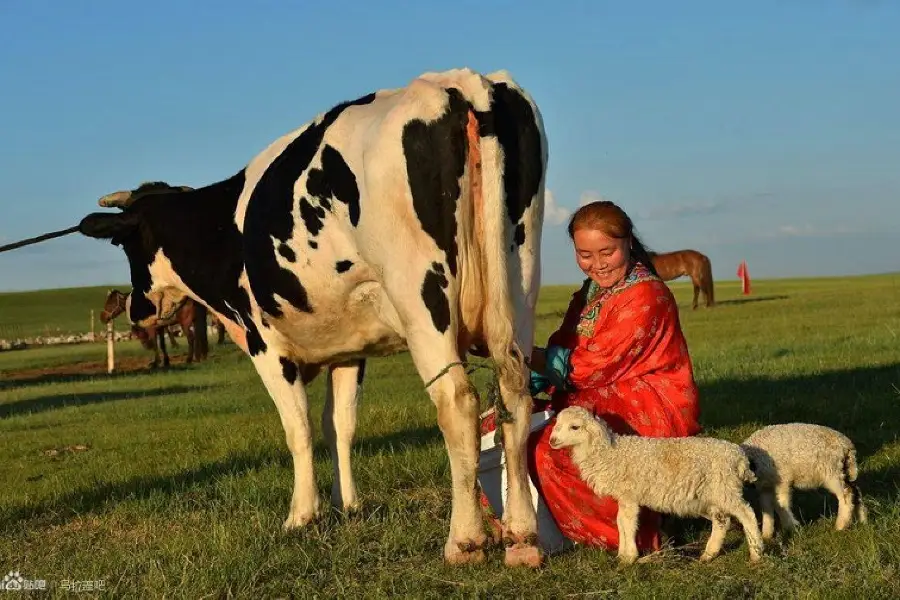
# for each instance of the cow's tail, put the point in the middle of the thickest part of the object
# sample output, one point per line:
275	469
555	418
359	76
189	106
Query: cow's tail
509	280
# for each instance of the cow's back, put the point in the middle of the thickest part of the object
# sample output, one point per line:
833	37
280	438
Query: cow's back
386	186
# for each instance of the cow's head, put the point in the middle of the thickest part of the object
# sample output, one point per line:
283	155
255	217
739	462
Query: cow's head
129	230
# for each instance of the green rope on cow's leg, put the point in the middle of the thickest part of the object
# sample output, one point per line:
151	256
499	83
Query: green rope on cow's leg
501	413
444	371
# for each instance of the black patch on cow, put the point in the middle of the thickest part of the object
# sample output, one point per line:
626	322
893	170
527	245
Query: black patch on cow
202	234
313	244
269	213
435	297
520	234
286	251
485	120
361	373
255	343
435	160
517	132
335	180
343	266
312	217
325	203
288	369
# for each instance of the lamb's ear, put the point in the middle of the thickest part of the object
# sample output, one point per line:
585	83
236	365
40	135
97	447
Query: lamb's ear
109	226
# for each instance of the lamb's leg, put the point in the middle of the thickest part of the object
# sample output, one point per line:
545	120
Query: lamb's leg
767	508
720	523
627	521
783	507
744	514
844	497
859	509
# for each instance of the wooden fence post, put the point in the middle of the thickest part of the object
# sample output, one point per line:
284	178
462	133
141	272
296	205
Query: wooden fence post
93	335
110	347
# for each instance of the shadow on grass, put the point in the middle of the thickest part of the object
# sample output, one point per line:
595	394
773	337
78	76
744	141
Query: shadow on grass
62	375
94	498
751	299
55	401
860	402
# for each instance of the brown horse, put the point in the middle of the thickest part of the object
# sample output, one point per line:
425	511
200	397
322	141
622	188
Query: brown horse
153	337
672	265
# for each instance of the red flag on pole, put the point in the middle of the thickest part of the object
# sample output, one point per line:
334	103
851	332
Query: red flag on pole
744	274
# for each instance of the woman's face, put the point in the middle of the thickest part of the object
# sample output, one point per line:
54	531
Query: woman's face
602	258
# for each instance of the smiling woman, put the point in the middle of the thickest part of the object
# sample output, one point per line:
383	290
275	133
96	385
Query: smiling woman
621	354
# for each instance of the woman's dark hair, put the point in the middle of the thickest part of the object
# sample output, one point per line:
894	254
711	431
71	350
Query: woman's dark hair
609	218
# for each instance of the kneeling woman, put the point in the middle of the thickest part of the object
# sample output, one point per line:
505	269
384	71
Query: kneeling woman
620	353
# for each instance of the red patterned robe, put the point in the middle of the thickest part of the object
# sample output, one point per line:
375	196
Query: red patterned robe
630	366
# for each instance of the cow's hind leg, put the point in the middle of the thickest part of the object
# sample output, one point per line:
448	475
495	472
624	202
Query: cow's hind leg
282	378
437	361
519	516
339	426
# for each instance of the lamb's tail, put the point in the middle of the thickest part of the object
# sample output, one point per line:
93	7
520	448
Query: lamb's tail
851	472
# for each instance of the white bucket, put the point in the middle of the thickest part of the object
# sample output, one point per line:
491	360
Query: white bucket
492	477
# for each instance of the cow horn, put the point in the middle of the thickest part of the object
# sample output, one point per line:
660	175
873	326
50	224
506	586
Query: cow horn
121	199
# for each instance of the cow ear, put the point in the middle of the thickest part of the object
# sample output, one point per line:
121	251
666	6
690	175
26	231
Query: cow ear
109	226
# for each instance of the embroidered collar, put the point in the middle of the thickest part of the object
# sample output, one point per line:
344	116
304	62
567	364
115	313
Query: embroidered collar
596	296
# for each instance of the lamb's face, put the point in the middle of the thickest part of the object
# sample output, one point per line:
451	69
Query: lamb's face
571	428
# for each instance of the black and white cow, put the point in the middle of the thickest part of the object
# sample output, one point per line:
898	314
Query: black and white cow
409	218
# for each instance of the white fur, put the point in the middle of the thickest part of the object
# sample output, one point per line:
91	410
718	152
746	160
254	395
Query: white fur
806	457
692	476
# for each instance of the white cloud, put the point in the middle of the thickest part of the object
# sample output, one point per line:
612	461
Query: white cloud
554	213
589	196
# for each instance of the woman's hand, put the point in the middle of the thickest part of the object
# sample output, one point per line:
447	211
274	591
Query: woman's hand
557	366
538	360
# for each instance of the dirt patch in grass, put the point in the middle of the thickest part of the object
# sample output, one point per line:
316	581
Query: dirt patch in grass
129	364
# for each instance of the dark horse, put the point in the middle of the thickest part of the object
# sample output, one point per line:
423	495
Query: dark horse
190	316
672	265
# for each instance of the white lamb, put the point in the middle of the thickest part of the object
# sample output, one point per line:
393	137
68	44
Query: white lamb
806	457
689	476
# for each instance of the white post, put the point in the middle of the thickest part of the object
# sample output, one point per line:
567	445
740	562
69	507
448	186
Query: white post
110	347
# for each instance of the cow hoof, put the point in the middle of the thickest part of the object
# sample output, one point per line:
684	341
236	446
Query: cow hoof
346	509
298	521
463	553
523	555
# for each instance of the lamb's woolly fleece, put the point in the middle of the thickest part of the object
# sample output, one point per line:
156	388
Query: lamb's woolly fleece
803	456
682	476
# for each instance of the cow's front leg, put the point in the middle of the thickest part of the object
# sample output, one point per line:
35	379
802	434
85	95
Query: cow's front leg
282	378
339	427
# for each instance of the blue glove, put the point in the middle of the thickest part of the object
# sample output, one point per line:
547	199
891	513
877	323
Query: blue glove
537	383
558	367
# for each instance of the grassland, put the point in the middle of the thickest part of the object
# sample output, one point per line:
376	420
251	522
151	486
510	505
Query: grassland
51	312
175	484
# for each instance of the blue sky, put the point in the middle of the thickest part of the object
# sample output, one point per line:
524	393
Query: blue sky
768	132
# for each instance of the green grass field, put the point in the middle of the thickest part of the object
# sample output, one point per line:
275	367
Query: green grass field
175	484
